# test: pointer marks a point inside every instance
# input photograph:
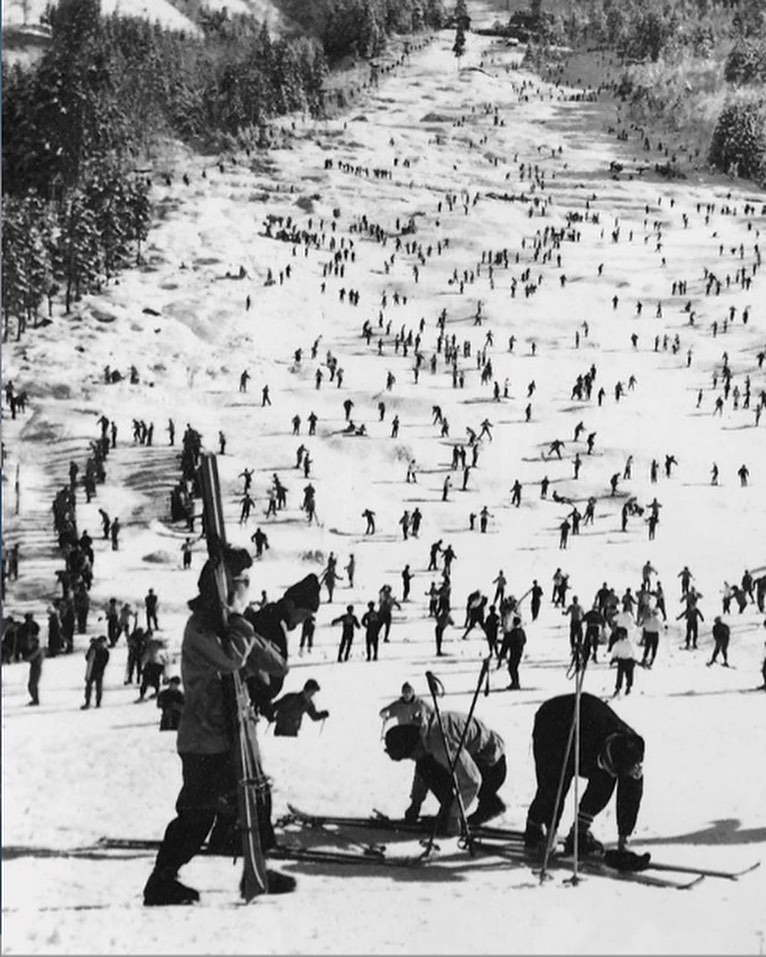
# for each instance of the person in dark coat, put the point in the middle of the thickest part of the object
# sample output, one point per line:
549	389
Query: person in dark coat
272	621
693	617
491	627
721	636
288	710
372	623
513	646
611	756
171	701
34	653
97	658
480	769
349	623
210	653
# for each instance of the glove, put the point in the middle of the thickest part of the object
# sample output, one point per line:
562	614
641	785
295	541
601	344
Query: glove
411	814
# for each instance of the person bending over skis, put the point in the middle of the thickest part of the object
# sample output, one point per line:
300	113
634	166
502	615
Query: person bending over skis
480	769
611	755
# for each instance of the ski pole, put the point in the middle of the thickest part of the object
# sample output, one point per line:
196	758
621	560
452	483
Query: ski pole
557	803
432	684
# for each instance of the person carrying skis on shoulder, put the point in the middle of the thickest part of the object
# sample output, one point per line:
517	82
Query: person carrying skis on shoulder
611	756
209	652
480	769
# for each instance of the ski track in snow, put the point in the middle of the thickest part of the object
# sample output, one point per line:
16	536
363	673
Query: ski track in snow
71	776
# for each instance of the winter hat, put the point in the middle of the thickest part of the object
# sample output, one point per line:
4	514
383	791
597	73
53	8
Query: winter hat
626	750
311	685
401	741
304	594
235	561
407	688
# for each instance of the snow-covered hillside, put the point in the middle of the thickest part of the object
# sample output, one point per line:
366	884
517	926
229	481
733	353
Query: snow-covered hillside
71	776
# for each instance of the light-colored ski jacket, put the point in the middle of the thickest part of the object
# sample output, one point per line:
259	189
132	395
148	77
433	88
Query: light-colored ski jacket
205	727
481	750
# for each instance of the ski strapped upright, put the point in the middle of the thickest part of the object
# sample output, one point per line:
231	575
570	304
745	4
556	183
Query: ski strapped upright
251	780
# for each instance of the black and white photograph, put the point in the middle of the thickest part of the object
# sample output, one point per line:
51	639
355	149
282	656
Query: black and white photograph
383	477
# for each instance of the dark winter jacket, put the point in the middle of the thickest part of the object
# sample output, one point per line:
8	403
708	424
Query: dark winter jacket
289	710
553	721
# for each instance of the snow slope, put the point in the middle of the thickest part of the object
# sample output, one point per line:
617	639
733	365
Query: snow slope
71	776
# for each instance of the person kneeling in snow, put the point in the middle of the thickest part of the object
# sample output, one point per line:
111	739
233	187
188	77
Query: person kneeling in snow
288	711
480	770
611	754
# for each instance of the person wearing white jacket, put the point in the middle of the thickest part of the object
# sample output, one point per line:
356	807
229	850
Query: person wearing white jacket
624	655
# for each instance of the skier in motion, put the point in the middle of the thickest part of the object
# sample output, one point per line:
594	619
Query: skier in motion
208	654
611	755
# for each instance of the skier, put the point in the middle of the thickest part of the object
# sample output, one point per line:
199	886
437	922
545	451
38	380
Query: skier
513	645
407	709
349	623
34	653
479	767
650	636
693	617
372	623
171	702
624	656
721	636
209	652
288	710
150	604
443	619
369	515
611	754
97	658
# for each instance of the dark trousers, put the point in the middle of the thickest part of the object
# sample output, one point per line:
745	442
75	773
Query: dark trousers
134	665
723	647
152	675
96	681
344	648
514	658
439	781
113	630
33	685
548	769
625	668
651	641
371	641
209	788
691	634
591	643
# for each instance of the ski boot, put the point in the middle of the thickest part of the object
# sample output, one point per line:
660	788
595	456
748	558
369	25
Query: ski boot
587	845
163	890
535	841
485	812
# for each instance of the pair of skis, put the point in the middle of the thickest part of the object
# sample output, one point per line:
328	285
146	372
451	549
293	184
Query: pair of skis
508	843
252	783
